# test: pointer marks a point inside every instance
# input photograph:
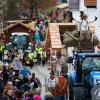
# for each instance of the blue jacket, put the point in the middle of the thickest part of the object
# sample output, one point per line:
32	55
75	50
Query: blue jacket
37	37
25	72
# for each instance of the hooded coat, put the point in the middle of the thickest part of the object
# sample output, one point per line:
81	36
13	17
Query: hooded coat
61	86
36	37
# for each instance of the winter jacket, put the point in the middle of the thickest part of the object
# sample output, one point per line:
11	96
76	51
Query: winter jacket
61	87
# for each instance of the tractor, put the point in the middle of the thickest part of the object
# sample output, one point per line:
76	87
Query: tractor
86	75
20	40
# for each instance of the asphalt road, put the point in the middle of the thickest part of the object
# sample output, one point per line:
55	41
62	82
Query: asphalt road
42	73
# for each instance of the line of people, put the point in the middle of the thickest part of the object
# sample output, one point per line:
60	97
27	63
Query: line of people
15	84
37	56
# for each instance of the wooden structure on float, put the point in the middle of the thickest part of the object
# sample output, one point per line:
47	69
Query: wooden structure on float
19	27
53	37
55	30
61	8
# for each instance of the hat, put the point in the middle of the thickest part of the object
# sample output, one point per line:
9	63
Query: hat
48	93
20	76
37	29
82	12
1	63
52	72
33	73
10	83
37	97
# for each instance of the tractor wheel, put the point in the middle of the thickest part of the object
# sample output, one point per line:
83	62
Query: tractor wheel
79	93
71	96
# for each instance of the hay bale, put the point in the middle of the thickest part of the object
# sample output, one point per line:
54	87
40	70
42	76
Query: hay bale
68	40
85	40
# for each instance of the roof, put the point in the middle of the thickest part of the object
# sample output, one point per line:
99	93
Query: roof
63	5
17	23
66	24
31	25
21	33
54	36
13	21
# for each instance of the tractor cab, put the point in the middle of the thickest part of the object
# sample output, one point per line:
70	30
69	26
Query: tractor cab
88	63
20	40
91	70
86	75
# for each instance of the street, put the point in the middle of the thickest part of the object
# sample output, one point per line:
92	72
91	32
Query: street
42	73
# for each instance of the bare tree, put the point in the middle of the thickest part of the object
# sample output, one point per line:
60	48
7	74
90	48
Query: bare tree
33	5
12	10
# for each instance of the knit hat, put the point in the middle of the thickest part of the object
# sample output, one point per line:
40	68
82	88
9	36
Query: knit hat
61	80
9	83
37	97
48	94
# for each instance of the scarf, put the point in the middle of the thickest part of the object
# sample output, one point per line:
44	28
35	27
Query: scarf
51	77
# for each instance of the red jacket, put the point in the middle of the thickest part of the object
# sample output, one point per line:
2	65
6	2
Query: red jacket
61	87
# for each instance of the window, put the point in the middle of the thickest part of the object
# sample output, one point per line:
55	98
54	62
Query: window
74	4
90	3
19	39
